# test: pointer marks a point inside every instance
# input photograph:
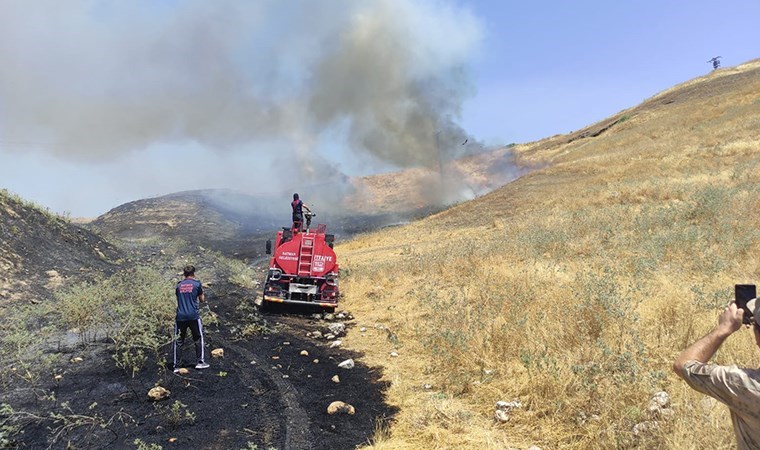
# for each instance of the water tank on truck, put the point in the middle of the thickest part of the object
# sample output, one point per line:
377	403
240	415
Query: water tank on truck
303	269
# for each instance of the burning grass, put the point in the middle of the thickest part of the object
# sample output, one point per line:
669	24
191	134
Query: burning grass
572	289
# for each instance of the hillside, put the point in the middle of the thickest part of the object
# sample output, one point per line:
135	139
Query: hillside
40	251
413	190
230	222
85	339
233	223
569	292
237	224
565	294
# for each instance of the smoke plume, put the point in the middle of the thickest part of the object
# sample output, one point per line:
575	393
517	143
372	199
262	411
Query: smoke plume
301	83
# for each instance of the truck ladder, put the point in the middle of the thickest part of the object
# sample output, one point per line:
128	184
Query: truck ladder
306	255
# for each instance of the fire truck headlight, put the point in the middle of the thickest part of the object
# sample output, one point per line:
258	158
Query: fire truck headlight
275	274
331	279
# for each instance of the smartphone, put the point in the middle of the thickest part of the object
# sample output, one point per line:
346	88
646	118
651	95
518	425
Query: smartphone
742	294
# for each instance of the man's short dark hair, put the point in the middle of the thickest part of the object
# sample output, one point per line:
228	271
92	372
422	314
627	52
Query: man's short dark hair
189	270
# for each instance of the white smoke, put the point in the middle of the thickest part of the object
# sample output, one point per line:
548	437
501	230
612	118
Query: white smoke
374	81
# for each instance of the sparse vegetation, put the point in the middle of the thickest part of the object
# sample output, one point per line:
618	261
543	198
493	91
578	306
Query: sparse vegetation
240	274
34	208
142	445
64	425
134	309
26	331
571	289
177	414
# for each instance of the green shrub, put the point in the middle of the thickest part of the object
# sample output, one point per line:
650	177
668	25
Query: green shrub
133	308
141	445
177	414
82	308
25	331
143	309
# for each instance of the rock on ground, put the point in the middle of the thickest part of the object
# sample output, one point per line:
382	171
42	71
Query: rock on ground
340	408
158	393
347	364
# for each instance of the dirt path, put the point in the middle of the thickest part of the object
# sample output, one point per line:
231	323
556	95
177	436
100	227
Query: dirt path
262	393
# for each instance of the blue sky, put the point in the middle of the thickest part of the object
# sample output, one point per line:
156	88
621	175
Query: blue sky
535	69
549	67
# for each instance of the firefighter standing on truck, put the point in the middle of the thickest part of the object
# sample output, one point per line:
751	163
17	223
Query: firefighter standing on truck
298	208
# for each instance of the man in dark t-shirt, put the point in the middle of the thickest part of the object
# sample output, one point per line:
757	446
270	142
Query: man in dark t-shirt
298	208
189	294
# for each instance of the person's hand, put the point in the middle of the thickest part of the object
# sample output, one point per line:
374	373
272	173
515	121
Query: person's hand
731	319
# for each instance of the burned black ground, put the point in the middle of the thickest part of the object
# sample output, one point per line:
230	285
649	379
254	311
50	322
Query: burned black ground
262	394
38	250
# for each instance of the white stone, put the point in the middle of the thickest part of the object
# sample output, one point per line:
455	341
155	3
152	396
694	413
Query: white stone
347	364
337	328
645	427
659	403
334	344
508	406
501	416
335	379
394	354
662	399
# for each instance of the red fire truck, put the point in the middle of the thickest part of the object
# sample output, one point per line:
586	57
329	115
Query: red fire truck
303	269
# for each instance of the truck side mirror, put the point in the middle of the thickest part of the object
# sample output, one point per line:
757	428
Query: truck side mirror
269	247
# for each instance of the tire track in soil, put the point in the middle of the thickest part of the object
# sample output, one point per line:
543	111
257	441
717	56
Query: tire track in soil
297	435
303	382
234	403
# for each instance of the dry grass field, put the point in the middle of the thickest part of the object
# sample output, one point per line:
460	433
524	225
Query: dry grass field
573	288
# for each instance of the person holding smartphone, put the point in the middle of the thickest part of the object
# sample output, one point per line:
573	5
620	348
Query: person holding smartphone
736	387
